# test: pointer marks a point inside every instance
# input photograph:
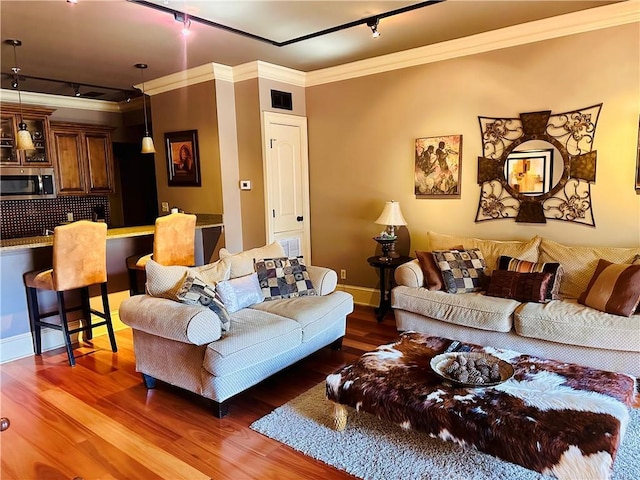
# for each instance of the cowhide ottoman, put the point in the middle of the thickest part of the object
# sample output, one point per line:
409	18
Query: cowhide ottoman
555	418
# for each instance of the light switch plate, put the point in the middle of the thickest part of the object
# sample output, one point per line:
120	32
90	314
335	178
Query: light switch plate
165	206
245	184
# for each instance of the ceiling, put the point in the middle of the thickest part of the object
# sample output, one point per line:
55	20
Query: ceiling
98	42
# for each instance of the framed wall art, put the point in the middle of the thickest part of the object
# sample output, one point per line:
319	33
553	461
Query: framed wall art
638	162
183	159
438	166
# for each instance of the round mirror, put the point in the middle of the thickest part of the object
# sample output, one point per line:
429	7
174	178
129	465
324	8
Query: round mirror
533	168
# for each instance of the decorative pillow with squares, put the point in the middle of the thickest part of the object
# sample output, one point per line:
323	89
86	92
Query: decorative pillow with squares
194	291
284	277
463	271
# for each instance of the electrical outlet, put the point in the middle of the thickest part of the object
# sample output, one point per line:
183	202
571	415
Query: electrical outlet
165	206
70	217
343	274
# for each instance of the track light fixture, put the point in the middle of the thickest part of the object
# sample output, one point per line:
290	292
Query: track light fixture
23	137
14	83
185	20
372	23
147	141
76	89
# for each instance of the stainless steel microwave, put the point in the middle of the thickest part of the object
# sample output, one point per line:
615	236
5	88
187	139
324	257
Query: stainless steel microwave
24	183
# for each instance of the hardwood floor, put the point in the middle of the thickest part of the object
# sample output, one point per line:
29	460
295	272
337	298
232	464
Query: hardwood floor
98	421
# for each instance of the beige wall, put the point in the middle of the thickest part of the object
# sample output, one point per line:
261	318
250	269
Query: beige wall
362	133
248	121
189	108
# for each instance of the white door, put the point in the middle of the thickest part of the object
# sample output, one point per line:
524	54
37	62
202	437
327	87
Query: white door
287	182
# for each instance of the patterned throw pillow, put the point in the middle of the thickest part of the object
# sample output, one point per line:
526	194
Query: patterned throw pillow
614	288
432	274
523	287
240	292
463	271
194	291
516	265
284	277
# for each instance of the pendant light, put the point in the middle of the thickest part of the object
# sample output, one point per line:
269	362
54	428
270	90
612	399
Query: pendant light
23	137
147	141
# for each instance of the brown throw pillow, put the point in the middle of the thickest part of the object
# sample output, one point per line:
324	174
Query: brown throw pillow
614	288
523	266
430	270
463	271
524	287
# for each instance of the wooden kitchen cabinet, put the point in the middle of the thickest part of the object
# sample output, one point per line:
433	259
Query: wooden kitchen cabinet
37	120
83	159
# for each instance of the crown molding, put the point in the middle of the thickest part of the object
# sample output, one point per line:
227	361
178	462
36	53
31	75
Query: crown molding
268	71
569	24
192	76
59	101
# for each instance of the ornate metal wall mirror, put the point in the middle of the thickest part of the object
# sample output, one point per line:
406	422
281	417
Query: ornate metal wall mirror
538	166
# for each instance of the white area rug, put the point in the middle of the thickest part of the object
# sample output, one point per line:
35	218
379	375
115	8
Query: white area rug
376	450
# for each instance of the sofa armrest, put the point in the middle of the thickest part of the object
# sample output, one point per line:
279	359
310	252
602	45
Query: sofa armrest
409	274
324	279
169	319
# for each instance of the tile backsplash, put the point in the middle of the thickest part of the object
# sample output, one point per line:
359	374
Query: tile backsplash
27	218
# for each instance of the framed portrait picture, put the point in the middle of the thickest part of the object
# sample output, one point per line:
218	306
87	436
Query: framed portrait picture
438	166
183	159
530	172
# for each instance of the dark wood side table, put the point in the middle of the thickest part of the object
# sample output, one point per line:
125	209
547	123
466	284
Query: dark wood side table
386	284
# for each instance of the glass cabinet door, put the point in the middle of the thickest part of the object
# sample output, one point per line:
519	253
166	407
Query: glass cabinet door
8	154
39	155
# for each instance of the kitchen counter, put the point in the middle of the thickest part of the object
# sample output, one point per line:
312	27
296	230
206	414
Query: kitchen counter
12	244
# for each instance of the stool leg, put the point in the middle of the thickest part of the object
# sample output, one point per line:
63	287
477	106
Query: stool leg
86	313
107	314
34	318
65	328
133	282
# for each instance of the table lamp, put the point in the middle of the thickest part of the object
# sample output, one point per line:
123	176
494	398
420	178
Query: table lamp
391	216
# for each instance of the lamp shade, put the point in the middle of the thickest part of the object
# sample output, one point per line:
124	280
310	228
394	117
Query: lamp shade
24	140
147	145
391	215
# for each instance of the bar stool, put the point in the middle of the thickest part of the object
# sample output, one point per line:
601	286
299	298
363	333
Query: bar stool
79	261
173	244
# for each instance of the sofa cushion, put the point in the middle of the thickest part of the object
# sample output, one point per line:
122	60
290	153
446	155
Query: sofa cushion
566	321
314	314
197	292
242	263
284	277
580	262
238	293
165	281
555	269
215	272
614	288
524	287
462	270
491	249
253	337
468	309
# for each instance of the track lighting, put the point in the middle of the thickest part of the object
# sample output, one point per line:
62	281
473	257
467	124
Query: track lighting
185	20
14	83
372	23
76	89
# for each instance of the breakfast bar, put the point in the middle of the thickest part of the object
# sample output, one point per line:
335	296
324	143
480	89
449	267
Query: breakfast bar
20	255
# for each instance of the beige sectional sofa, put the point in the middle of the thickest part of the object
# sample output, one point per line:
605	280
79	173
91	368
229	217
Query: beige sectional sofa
184	345
560	329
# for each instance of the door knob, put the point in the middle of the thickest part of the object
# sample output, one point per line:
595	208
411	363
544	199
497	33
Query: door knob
299	218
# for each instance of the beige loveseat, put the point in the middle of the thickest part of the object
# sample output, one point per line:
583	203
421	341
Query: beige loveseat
560	329
184	345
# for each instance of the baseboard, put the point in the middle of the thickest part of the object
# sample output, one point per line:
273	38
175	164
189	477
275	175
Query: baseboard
361	295
21	346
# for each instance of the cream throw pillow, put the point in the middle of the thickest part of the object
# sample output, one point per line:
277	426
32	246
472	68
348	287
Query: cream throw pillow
579	263
491	249
242	263
165	281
